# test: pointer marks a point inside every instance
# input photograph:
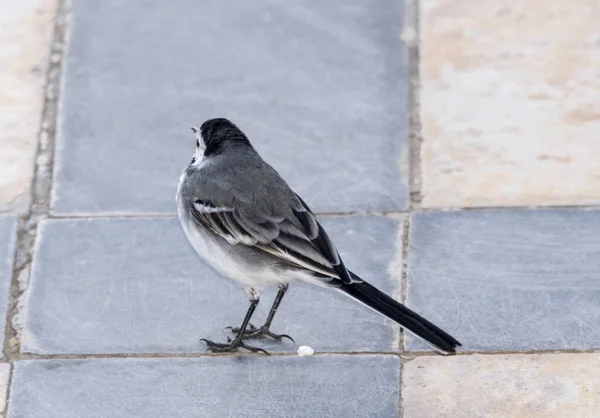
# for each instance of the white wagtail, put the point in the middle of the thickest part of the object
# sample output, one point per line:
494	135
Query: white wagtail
248	224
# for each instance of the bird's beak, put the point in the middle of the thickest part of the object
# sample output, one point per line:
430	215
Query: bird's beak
194	129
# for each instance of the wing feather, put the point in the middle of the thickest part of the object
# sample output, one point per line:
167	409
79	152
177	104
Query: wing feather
266	215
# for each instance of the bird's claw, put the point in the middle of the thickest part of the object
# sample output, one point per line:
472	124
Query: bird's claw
231	346
236	330
253	332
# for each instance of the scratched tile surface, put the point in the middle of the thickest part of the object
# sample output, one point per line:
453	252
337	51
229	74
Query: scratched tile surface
135	285
323	386
4	377
8	240
508	279
319	87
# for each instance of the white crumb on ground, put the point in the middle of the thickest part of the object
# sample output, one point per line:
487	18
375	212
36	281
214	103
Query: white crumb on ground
305	350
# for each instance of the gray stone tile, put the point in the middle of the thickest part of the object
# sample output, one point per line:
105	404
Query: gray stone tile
8	240
244	386
135	285
319	87
508	279
4	378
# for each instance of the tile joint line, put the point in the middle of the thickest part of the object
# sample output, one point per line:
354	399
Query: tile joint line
413	209
411	39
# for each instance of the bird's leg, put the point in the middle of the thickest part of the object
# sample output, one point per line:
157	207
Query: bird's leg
233	345
253	332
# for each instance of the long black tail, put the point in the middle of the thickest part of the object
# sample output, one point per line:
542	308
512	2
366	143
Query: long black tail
394	310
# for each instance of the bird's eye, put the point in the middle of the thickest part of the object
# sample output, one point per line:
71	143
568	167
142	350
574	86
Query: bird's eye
197	144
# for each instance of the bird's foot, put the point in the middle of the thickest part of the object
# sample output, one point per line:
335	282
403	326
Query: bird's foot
253	332
231	346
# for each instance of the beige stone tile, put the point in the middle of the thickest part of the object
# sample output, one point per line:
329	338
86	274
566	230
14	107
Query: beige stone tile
510	102
524	385
25	34
4	374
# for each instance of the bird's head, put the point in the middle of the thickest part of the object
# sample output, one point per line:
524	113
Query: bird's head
215	135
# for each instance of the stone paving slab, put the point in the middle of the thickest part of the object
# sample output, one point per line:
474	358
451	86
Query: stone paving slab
135	285
510	102
8	240
508	279
525	385
321	88
24	46
4	376
332	386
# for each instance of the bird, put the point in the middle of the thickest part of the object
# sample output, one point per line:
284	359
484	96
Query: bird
246	222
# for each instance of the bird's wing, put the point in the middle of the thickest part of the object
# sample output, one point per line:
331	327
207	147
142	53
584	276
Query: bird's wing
272	221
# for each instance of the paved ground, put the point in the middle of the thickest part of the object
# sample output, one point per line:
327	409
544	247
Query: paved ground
495	105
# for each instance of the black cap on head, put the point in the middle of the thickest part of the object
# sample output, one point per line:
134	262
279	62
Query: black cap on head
219	131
